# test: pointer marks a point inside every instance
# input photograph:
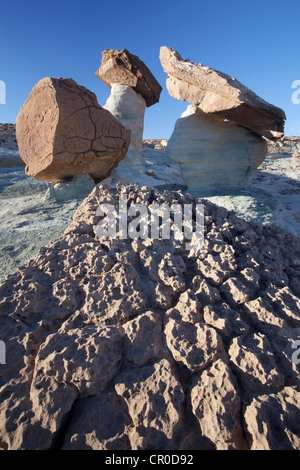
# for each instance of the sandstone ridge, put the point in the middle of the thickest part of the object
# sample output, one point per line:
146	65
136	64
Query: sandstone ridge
140	344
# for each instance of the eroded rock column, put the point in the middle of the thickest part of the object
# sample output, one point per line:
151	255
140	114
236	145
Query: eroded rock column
214	154
129	108
133	88
219	141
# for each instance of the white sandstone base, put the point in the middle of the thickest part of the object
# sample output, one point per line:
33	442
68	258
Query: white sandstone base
213	154
129	108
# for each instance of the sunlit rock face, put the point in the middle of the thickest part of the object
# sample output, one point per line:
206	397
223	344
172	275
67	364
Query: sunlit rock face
129	108
214	154
63	132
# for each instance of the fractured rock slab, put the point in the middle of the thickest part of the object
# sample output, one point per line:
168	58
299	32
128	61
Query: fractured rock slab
219	94
62	132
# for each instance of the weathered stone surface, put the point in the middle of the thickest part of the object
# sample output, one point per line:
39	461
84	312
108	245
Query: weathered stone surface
91	356
136	344
127	69
225	320
62	132
142	338
154	404
273	421
254	362
214	154
188	308
262	314
194	346
220	95
92	429
216	404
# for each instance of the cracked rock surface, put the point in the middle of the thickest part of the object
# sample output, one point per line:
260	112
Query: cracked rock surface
140	344
62	132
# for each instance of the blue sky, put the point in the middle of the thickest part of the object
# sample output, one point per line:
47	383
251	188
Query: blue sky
256	42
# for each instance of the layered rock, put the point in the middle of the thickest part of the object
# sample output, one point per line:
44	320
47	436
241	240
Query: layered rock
133	88
220	95
139	344
214	154
62	132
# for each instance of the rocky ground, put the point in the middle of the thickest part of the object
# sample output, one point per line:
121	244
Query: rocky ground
132	344
33	214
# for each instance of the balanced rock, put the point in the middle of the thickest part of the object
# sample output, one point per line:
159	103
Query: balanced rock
128	344
214	154
219	94
63	132
133	87
127	69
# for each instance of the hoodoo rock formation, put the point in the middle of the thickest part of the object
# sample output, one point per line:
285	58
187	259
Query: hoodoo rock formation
133	88
63	132
127	69
217	141
220	95
139	344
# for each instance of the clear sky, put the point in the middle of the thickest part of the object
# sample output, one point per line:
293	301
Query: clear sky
257	42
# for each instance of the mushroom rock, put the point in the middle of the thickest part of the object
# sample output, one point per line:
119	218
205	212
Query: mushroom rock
127	69
133	88
214	154
218	94
62	132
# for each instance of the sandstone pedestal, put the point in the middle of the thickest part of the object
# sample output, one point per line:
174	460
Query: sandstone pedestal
214	154
133	88
129	108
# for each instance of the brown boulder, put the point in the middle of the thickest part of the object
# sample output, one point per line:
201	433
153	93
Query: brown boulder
127	69
219	94
62	132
